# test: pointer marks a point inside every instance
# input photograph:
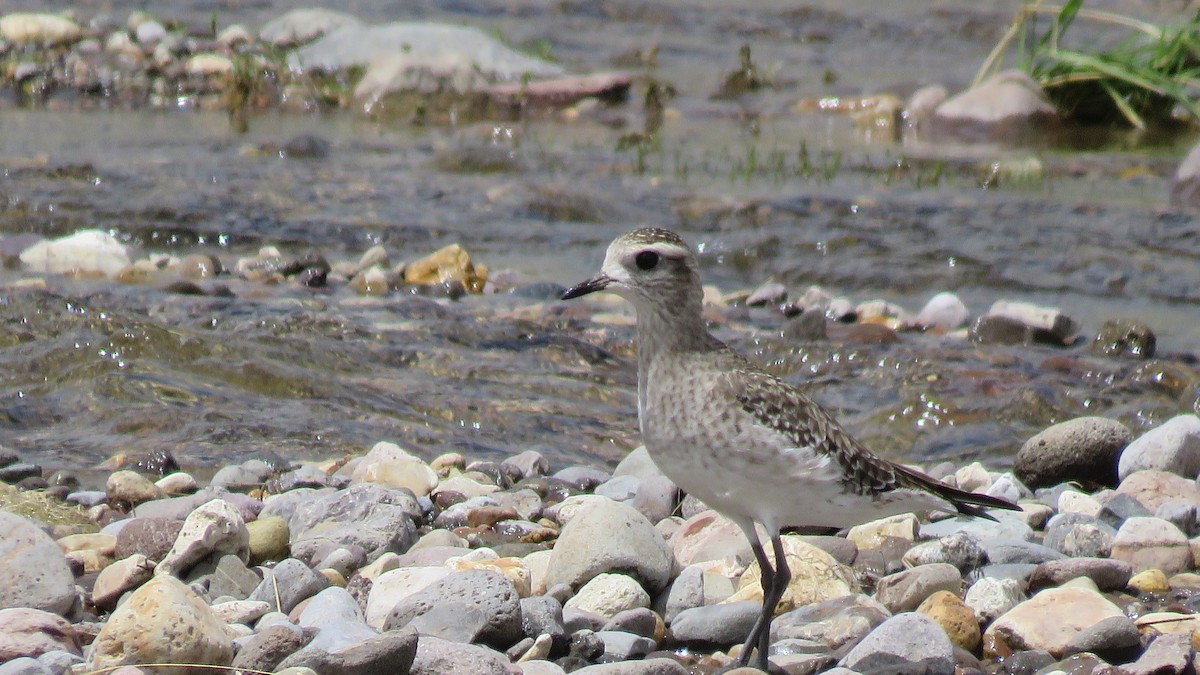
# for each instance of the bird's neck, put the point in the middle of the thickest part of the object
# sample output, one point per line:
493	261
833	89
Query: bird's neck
670	329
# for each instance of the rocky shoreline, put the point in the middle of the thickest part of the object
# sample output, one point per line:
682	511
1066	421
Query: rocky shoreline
385	563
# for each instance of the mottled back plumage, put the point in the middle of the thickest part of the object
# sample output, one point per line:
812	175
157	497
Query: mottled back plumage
739	439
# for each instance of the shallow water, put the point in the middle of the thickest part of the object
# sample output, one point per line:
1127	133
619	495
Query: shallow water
92	368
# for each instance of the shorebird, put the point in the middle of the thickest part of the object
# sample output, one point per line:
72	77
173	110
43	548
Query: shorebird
744	442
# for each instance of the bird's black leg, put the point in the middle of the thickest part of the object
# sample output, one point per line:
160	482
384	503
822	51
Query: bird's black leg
779	584
768	575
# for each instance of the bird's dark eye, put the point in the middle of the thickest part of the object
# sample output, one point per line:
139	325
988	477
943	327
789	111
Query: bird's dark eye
646	260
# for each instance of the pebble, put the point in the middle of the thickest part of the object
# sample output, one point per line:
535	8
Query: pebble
955	617
905	591
28	632
1174	446
990	598
816	576
715	626
609	594
609	536
493	594
1049	620
215	527
905	643
288	583
163	621
1083	449
389	465
1152	543
35	572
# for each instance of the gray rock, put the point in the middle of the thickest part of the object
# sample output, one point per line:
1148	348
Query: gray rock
1116	635
543	615
608	536
661	666
638	463
24	666
1185	189
376	518
1084	449
832	623
436	656
303	25
335	614
152	537
451	620
492	593
1169	654
687	591
1108	575
906	590
268	647
1063	524
1125	338
384	654
959	549
1118	507
179	508
622	646
60	662
1006	551
1008	525
25	631
225	576
285	504
656	498
1149	543
1173	446
906	644
291	581
528	464
35	572
1180	514
639	621
582	477
619	488
716	625
251	472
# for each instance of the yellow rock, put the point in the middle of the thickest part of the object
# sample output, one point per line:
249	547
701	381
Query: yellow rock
877	532
447	264
209	64
1168	622
104	544
816	577
335	577
164	621
1150	581
513	568
269	539
954	616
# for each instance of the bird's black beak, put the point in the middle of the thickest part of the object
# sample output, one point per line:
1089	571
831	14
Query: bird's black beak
596	283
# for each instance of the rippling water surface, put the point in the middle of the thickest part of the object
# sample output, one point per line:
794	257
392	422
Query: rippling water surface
93	368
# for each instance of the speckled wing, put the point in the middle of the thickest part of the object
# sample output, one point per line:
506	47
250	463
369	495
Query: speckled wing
805	423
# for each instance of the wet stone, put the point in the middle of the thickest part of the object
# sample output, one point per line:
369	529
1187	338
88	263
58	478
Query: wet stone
1124	338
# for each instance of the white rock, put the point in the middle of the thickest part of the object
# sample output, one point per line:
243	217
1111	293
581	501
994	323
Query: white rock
1172	446
149	32
389	465
1071	501
989	597
49	29
205	65
301	25
241	611
944	312
1152	543
392	587
1010	94
214	527
902	526
1049	319
234	35
607	594
87	252
1051	619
